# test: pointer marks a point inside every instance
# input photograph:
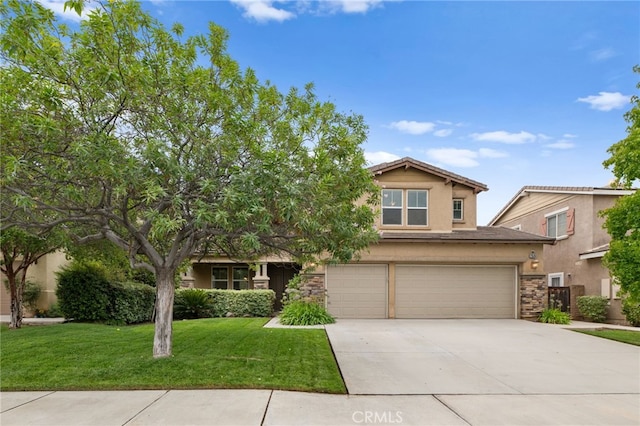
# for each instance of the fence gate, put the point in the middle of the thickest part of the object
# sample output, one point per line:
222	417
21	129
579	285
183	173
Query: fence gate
560	298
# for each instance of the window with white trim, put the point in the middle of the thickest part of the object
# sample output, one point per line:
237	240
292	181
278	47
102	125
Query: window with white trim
556	280
230	277
417	207
405	207
559	224
392	207
458	209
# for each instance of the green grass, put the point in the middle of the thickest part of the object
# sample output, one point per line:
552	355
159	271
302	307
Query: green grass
624	336
207	353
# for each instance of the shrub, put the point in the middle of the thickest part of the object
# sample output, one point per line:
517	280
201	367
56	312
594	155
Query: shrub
192	303
131	302
54	311
31	295
242	303
631	310
292	292
235	303
554	316
301	312
593	308
83	292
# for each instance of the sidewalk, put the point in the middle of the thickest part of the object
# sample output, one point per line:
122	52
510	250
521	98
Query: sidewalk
266	407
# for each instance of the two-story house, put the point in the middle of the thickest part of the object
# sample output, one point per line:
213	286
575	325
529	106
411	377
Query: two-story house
571	215
431	260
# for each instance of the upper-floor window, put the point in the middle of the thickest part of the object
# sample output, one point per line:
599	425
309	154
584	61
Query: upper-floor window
559	224
458	209
413	212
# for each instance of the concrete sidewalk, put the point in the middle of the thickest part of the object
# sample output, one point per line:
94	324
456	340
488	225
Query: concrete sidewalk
266	407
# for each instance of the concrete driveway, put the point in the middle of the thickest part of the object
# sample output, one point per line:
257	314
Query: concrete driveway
473	357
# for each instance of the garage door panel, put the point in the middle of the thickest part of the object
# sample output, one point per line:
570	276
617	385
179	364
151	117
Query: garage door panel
357	291
428	291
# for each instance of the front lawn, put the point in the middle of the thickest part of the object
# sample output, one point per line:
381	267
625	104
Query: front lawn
624	336
207	353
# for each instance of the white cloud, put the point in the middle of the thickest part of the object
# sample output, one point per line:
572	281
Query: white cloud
57	6
606	101
504	137
442	132
379	157
569	136
270	10
561	144
354	6
413	127
491	153
454	157
263	10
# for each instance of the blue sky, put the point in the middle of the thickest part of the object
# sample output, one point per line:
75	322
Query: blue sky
505	93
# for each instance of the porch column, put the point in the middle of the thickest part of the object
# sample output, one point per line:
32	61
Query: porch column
261	279
187	279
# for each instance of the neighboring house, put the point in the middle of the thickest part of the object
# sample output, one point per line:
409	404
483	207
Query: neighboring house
570	214
431	260
41	272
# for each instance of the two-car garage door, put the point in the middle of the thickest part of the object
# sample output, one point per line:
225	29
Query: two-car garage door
455	291
422	291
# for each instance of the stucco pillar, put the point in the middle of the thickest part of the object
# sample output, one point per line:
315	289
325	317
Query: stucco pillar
187	279
261	279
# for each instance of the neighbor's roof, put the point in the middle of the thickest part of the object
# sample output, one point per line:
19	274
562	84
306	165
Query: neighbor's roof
407	162
578	190
594	252
484	234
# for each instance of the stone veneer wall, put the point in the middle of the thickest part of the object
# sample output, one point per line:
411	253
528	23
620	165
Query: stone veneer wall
533	295
313	287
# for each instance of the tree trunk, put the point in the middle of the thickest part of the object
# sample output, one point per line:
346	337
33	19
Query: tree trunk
165	291
16	288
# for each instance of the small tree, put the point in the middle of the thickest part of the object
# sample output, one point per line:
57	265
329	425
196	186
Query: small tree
623	219
20	249
119	128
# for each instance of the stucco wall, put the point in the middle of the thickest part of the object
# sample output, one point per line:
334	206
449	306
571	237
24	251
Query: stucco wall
563	257
440	199
44	273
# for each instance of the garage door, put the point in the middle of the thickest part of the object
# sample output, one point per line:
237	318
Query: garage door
455	291
357	291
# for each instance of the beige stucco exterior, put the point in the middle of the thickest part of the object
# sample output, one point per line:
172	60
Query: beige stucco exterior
42	272
529	209
442	241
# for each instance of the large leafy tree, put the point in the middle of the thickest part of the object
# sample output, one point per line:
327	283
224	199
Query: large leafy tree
623	219
160	143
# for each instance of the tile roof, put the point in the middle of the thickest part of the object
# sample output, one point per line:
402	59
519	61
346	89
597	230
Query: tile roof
407	162
487	234
586	190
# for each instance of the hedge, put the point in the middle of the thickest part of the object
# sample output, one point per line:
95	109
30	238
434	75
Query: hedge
593	308
85	294
240	303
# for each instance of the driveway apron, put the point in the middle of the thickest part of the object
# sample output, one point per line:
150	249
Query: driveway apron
479	357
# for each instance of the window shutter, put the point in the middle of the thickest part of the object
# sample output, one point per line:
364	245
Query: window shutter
571	221
543	227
